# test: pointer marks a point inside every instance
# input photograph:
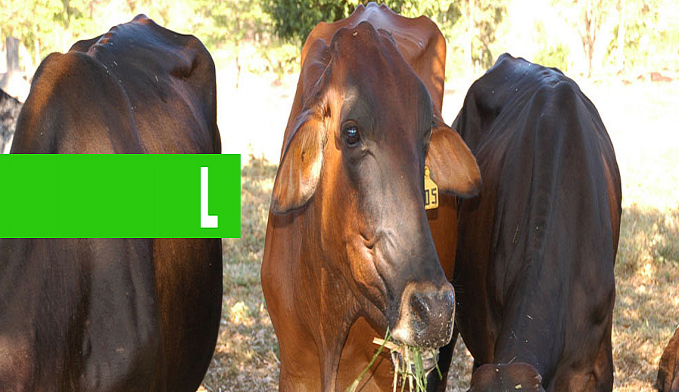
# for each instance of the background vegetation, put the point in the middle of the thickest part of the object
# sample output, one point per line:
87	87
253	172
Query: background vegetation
585	36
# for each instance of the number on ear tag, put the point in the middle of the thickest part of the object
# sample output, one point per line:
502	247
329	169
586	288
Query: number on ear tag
431	191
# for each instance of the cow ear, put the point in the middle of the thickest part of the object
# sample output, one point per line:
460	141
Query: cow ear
451	163
300	168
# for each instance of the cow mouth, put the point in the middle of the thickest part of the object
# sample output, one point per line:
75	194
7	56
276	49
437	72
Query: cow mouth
415	360
426	316
409	361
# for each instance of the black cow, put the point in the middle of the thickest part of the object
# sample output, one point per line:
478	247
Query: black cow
536	249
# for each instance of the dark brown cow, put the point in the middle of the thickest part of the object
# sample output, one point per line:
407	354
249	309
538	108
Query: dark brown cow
668	371
114	314
348	250
536	248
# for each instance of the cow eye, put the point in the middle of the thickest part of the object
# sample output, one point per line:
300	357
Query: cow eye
351	135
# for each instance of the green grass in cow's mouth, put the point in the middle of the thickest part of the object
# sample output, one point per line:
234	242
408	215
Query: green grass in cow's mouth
411	365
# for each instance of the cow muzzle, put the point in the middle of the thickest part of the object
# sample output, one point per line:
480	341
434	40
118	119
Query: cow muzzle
426	315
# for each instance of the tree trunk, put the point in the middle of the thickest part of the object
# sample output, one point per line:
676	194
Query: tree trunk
621	35
12	45
590	54
470	32
237	68
37	46
588	36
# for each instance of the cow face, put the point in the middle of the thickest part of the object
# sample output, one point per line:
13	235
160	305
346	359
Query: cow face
358	152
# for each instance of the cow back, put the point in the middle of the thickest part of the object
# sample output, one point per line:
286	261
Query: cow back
139	88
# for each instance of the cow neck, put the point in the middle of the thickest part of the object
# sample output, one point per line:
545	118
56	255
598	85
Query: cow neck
357	352
524	334
339	310
524	338
324	297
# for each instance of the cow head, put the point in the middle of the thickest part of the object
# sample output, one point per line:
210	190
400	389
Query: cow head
506	377
355	160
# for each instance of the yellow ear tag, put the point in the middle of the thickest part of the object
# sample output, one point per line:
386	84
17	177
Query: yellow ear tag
431	191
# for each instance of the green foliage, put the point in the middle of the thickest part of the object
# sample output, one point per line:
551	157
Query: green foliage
444	13
471	37
45	26
281	58
241	26
651	34
293	20
553	56
487	17
20	16
276	29
587	17
230	21
552	53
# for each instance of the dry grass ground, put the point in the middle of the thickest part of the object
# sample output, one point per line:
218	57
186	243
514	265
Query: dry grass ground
641	119
246	358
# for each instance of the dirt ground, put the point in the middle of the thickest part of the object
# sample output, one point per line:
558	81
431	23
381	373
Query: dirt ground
641	119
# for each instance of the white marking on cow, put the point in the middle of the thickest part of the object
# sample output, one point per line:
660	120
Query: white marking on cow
206	221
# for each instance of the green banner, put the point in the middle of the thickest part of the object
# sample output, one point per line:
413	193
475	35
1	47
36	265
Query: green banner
119	195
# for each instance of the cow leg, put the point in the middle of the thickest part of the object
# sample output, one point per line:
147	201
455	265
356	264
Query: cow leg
15	363
189	287
285	382
593	377
603	367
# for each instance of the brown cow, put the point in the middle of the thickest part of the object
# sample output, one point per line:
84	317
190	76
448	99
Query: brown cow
348	251
536	248
114	314
668	371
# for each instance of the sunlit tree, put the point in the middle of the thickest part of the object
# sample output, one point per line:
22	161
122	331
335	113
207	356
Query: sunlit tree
587	17
44	26
294	19
232	22
482	17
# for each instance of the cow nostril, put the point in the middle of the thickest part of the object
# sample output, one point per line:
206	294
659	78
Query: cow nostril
420	306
